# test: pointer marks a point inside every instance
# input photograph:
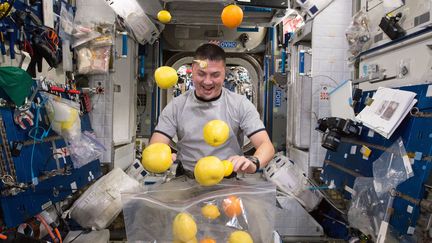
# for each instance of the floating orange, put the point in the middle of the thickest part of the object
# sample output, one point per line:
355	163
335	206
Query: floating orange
208	240
232	16
232	206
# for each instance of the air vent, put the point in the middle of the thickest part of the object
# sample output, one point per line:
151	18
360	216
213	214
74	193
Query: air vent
378	37
421	19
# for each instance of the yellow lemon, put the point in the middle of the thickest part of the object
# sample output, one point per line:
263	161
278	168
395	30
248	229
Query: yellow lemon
165	77
68	124
210	211
184	227
209	171
215	132
157	158
232	16
240	237
164	16
4	6
228	167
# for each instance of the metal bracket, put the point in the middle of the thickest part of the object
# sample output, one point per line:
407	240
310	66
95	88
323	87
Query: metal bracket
373	78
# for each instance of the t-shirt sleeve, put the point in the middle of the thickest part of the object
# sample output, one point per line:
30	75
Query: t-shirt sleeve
167	123
250	122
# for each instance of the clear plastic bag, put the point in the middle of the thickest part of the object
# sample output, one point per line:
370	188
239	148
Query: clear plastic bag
103	40
63	115
367	210
357	34
83	34
100	204
85	149
391	168
138	24
149	215
67	56
66	23
289	178
93	60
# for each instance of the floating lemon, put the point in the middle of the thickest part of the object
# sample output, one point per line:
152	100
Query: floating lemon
215	132
165	77
209	171
228	167
157	158
164	16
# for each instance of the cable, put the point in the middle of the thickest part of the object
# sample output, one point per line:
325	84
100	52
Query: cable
326	197
321	75
47	227
35	138
58	235
59	214
51	157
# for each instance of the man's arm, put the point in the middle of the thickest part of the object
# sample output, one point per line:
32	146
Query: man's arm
264	152
264	147
159	138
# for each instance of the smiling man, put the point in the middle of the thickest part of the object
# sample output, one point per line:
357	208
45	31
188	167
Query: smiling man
186	115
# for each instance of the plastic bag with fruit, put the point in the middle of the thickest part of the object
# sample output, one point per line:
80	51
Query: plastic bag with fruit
183	211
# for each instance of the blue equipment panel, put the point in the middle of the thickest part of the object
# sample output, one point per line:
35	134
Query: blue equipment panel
343	166
38	160
17	208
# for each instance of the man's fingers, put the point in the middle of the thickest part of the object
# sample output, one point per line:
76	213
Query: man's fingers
237	163
246	164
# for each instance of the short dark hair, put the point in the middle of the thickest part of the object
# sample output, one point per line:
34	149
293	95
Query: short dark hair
211	52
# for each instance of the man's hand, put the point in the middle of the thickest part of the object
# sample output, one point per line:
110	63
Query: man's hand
173	157
242	164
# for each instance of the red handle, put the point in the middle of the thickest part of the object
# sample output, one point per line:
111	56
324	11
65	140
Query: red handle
70	91
56	89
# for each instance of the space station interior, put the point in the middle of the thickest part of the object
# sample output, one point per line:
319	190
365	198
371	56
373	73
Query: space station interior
94	139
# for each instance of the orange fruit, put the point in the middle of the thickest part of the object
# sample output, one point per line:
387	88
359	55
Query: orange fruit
232	16
232	206
208	240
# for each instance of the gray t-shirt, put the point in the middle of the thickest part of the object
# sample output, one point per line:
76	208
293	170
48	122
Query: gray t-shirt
186	116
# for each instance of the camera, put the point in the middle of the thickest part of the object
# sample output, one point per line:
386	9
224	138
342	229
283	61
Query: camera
334	128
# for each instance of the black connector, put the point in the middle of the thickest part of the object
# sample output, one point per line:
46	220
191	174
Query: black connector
333	129
391	27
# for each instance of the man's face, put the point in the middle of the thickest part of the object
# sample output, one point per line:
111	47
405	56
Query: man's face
208	80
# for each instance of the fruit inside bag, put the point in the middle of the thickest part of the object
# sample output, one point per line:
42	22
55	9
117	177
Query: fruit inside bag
183	211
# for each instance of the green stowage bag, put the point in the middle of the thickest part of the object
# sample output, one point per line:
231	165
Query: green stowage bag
16	83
